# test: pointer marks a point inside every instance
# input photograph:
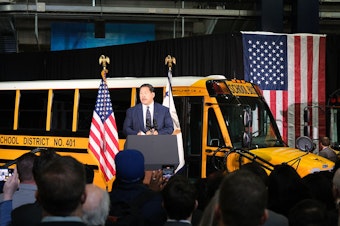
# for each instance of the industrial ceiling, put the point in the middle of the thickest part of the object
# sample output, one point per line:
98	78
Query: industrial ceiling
27	24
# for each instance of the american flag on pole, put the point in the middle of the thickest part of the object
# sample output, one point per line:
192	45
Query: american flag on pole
290	69
168	101
103	139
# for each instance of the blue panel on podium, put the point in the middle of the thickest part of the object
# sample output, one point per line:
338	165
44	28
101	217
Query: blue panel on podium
157	150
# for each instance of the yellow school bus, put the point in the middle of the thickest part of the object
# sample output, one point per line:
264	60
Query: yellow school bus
224	123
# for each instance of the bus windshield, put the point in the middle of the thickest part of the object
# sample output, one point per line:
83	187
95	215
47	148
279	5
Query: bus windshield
249	122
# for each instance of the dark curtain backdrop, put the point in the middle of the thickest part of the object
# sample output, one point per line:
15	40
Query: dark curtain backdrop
200	56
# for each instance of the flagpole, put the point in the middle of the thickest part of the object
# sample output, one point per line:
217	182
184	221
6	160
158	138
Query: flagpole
104	60
169	61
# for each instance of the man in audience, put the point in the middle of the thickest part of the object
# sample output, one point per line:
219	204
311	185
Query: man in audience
179	201
31	213
27	187
326	151
242	200
96	207
128	188
61	192
274	219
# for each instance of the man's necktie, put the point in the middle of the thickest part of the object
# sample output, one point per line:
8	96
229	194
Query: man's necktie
148	118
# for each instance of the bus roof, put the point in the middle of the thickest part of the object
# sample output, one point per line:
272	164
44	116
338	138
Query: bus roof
122	82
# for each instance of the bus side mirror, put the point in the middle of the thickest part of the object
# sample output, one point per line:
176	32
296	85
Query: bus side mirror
247	119
305	122
306	115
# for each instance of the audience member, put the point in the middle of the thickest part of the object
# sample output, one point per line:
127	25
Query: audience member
31	214
285	189
129	188
274	219
206	188
319	185
209	216
326	151
242	200
309	212
96	207
10	186
61	191
179	201
27	187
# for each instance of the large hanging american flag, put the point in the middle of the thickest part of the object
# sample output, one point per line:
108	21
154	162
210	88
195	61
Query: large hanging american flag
290	69
103	139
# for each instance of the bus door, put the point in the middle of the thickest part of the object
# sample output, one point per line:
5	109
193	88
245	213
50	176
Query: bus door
190	113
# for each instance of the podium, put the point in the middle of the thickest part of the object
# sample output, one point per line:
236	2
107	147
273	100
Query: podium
158	150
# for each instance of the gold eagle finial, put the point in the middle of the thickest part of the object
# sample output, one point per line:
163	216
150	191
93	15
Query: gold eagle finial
104	60
169	60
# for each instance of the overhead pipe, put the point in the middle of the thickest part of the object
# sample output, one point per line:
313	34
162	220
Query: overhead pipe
109	11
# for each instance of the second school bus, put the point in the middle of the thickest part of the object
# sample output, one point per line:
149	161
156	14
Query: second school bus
224	123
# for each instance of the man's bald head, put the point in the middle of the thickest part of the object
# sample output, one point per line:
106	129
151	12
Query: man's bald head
97	205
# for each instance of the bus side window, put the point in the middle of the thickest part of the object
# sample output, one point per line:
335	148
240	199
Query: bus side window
62	110
87	102
32	109
7	103
215	137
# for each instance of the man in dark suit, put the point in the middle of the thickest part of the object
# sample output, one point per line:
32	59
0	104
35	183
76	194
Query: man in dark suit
148	117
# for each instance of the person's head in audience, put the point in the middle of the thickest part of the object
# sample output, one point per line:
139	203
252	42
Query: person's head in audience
308	212
61	187
24	166
96	207
256	168
285	189
179	198
319	185
242	200
129	166
43	159
324	142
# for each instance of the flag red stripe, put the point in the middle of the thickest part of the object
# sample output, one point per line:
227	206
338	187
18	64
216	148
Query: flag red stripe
297	81
285	115
322	85
273	102
310	58
310	90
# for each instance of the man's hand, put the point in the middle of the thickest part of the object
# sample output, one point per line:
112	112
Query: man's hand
152	132
157	182
11	185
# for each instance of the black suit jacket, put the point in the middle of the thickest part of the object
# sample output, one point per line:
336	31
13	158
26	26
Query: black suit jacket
28	214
